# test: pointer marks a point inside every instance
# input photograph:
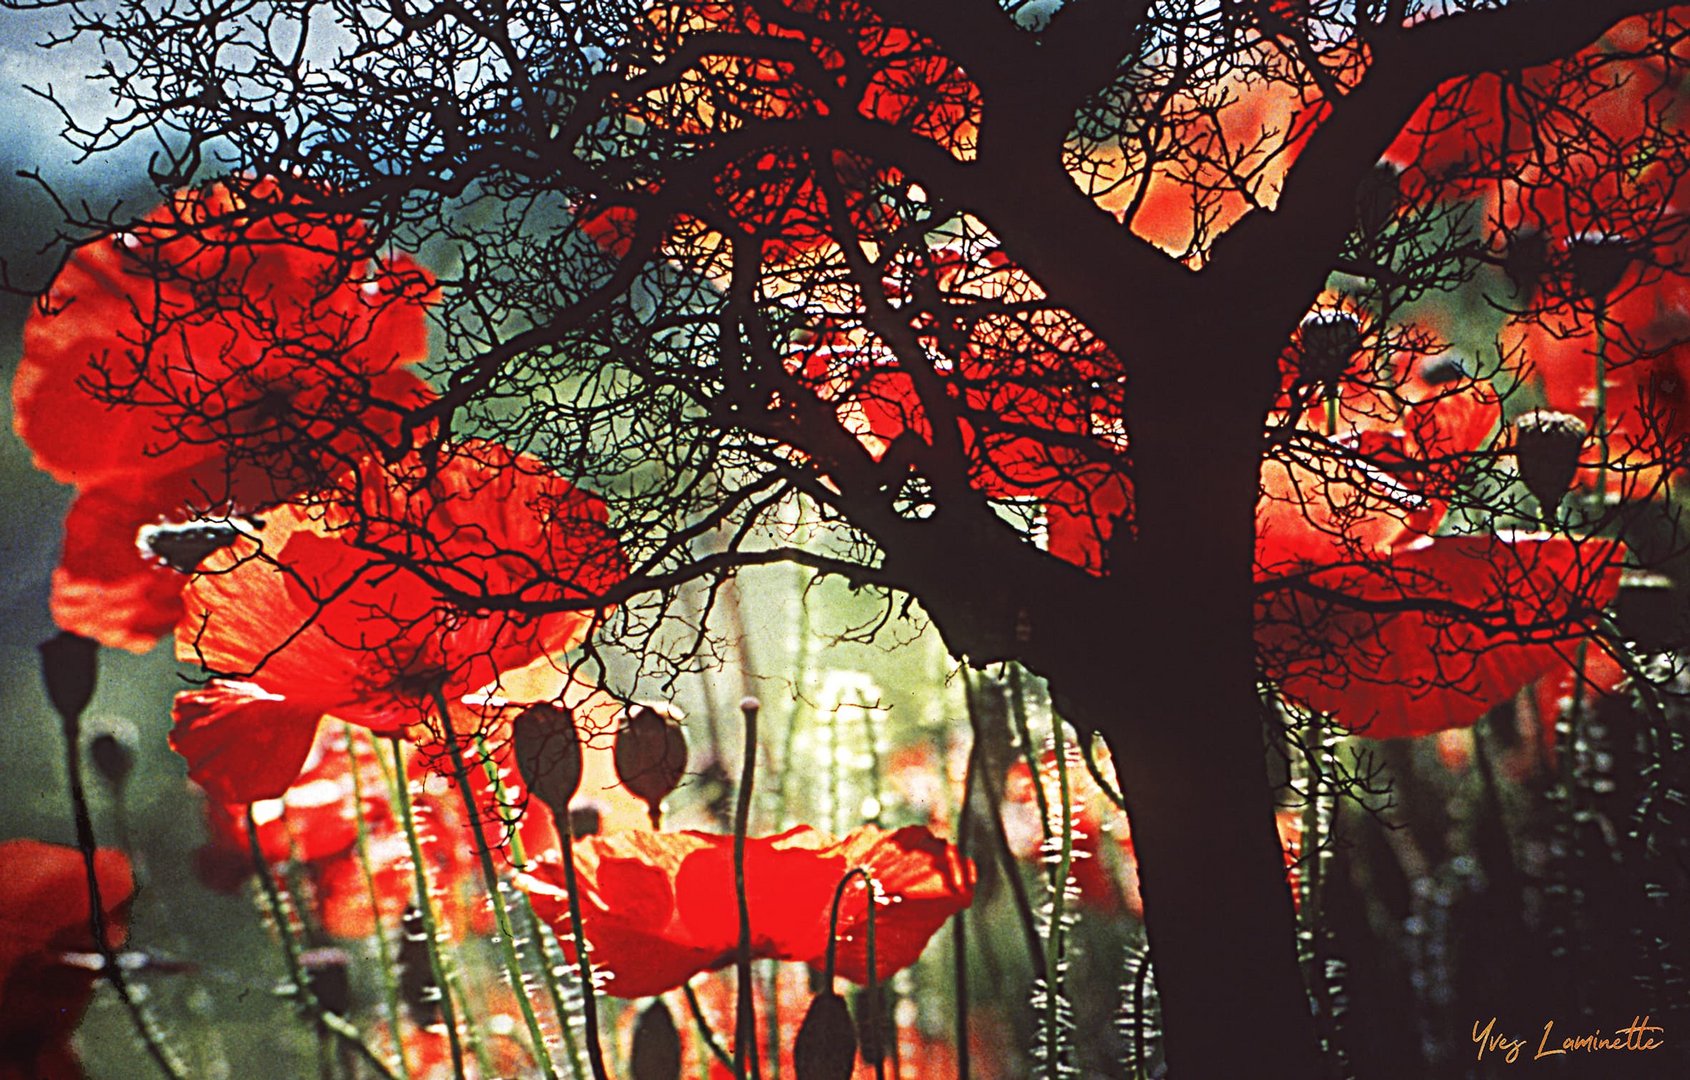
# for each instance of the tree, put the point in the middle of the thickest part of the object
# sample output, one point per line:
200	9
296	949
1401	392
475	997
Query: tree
1029	304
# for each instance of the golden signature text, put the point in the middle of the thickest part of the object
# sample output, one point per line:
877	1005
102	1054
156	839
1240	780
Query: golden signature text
1639	1035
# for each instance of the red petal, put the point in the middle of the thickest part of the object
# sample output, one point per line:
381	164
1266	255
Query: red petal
43	915
242	743
103	587
1416	670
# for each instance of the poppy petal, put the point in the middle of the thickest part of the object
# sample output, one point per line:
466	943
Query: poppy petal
242	743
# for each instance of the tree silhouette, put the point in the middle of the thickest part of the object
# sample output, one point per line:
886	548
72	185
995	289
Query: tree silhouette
1173	351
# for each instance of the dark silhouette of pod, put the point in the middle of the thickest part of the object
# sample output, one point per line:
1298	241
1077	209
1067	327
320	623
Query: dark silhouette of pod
827	1041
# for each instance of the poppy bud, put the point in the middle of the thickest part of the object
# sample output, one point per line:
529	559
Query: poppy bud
1648	612
1377	197
1546	447
827	1041
1443	368
1330	340
585	821
112	757
651	754
69	663
656	1053
184	547
1599	260
548	754
1526	260
328	976
417	988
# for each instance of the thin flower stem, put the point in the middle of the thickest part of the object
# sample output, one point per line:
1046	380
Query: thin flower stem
297	976
384	950
1029	751
109	966
1056	945
589	994
425	905
871	989
1099	779
1599	422
745	1022
495	890
771	1017
703	1026
1141	982
1006	859
959	926
833	919
549	961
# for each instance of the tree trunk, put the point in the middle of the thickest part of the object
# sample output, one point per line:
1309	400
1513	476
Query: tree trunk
1181	713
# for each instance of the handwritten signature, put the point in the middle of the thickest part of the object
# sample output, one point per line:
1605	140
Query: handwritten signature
1639	1035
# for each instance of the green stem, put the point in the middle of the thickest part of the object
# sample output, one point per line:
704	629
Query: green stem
1056	944
959	934
384	949
1029	751
703	1026
550	961
1006	859
745	1024
871	988
109	966
589	994
495	889
425	905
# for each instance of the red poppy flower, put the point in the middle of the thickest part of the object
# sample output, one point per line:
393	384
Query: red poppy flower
302	623
1381	479
880	71
1564	148
1435	635
46	978
210	361
658	908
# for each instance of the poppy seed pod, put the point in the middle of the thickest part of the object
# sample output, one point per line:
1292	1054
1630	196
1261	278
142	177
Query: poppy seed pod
328	976
1599	260
1443	369
184	547
548	754
69	663
651	754
1546	448
1330	340
827	1041
112	757
1377	197
417	988
1648	611
1526	260
656	1053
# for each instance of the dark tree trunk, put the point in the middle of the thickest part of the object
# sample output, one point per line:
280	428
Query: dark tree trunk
1181	713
